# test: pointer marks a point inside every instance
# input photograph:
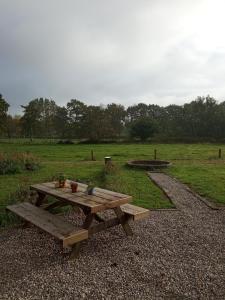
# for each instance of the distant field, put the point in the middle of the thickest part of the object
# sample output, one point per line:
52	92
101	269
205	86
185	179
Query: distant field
195	164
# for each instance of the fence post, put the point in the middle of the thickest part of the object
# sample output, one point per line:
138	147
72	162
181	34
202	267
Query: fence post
92	155
155	154
219	154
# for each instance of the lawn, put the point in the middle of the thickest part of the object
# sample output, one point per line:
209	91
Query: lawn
197	165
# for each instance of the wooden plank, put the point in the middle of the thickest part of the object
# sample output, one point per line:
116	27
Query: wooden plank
82	187
99	191
69	197
106	224
55	225
99	196
116	194
75	237
97	202
104	191
136	212
106	195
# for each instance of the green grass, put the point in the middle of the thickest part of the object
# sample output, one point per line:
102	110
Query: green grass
205	177
195	164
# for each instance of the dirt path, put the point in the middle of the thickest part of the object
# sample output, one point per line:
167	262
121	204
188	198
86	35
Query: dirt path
176	254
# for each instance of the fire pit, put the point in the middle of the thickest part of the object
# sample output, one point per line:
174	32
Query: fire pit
149	164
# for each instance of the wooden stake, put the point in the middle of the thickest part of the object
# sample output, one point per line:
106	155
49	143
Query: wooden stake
92	155
155	154
219	154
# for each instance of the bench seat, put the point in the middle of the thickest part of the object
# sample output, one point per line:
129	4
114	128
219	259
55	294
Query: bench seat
135	212
55	225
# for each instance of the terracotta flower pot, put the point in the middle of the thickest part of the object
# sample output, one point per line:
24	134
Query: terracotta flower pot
74	187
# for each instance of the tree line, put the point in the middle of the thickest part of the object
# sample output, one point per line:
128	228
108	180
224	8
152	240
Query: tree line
201	119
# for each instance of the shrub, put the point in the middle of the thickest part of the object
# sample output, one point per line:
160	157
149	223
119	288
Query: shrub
143	129
21	194
17	162
65	142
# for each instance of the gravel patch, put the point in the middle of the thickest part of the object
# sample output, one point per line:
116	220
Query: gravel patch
172	255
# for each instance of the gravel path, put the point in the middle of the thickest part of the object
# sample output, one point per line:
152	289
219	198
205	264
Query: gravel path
176	254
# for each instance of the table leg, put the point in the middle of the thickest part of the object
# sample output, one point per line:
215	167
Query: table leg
75	251
99	218
89	218
119	213
86	225
40	199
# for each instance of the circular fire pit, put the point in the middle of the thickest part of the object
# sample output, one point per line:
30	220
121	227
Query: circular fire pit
149	164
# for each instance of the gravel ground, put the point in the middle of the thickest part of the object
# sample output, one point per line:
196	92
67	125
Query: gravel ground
177	254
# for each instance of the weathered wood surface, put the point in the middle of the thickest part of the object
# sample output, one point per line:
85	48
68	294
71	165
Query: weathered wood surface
136	212
120	215
100	200
55	225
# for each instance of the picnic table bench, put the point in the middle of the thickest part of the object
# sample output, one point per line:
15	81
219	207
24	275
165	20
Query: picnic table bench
40	213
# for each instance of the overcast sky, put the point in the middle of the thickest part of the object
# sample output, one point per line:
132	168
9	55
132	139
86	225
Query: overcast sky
123	51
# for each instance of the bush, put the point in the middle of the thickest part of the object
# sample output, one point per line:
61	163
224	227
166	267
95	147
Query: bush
17	162
21	194
143	129
65	142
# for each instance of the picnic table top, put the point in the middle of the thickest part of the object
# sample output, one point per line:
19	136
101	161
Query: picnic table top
100	200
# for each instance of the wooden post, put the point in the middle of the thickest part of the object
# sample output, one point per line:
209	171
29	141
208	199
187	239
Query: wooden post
219	154
92	155
108	160
155	154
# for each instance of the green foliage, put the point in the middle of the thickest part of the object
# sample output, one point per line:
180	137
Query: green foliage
60	177
17	162
200	120
4	106
195	164
142	128
136	183
39	118
21	194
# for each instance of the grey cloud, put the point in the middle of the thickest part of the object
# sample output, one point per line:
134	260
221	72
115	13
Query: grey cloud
101	51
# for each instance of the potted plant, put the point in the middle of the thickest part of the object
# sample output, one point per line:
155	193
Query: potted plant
61	180
90	188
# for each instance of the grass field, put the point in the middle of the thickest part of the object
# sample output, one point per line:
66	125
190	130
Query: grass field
197	165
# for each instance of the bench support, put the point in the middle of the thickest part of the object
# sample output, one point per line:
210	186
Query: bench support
40	199
75	251
126	227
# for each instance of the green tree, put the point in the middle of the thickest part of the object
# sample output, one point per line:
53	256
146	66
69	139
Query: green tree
14	126
115	118
95	123
142	128
4	106
136	112
76	117
38	119
61	122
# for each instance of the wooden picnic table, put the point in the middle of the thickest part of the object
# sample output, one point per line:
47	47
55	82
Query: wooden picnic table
40	213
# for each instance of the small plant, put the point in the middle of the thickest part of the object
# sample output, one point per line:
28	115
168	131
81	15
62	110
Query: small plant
17	162
90	188
21	194
61	178
110	169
